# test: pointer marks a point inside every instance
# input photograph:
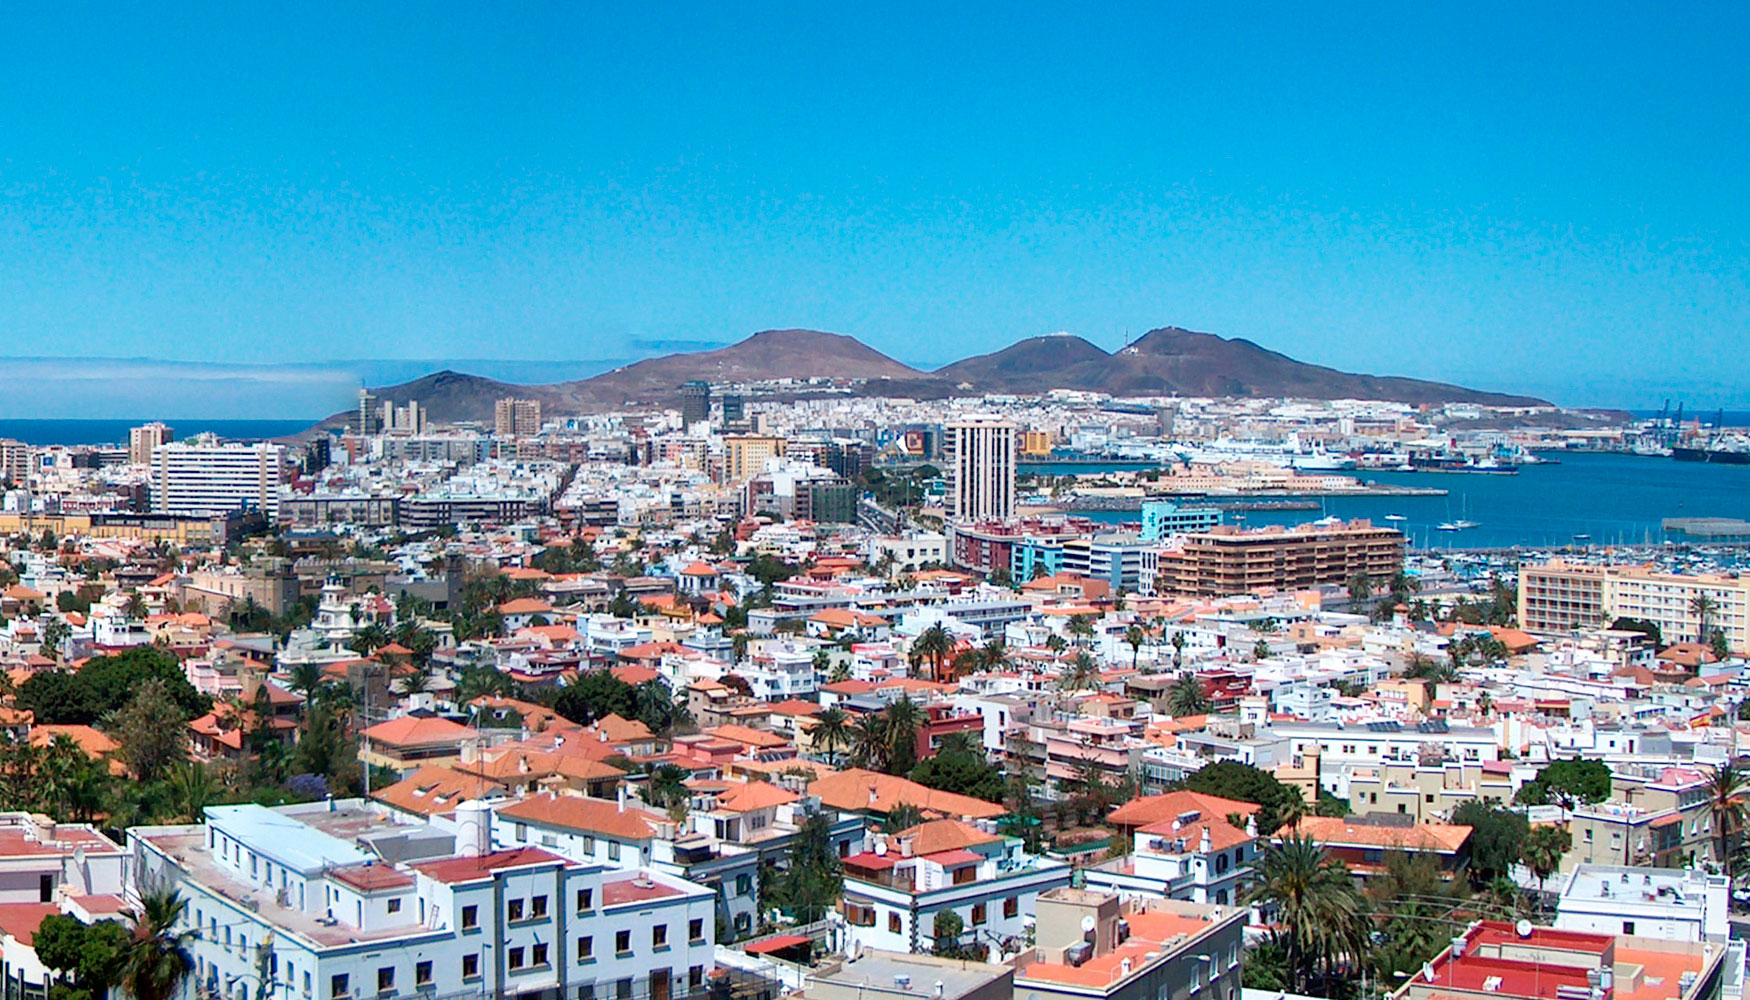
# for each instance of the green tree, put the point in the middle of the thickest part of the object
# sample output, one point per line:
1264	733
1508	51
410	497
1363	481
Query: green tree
157	960
593	695
946	931
1544	847
831	733
1232	780
1187	697
903	718
963	772
1704	607
903	816
934	645
815	878
1360	588
1319	915
1134	637
1567	782
150	731
88	957
1727	787
1497	839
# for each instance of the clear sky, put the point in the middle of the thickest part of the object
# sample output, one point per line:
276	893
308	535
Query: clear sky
1528	196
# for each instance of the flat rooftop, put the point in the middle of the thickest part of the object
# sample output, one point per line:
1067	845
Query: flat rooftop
290	839
875	971
187	846
1616	884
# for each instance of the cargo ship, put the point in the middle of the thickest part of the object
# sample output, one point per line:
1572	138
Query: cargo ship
1721	456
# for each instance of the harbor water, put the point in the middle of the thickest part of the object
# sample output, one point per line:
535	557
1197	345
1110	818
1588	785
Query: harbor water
1596	499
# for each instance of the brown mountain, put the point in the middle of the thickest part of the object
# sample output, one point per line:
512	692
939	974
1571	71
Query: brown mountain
1168	361
767	355
1022	364
1172	360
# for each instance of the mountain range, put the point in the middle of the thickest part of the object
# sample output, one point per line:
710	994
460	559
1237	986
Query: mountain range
1164	362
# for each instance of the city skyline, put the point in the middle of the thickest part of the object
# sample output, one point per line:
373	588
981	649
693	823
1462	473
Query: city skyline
1418	195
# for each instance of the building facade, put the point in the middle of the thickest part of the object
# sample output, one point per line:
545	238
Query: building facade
1561	597
209	479
980	457
1231	560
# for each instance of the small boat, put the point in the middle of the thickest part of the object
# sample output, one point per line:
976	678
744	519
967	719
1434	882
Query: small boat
1582	537
1446	526
1396	517
1464	525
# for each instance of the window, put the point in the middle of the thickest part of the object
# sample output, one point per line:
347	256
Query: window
1628	926
1012	906
743	884
1401	807
339	986
978	914
695	977
589	845
585	900
470	917
861	916
422	974
1588	835
586	991
623	989
515	959
622	942
45	888
471	966
962	876
659	936
613	850
695	931
537	907
894	924
1428	797
538	955
513	911
394	906
586	948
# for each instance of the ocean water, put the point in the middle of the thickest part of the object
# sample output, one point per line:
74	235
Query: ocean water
46	432
1615	499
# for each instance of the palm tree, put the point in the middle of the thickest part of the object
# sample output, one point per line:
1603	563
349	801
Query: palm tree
1083	673
995	655
305	678
157	960
869	745
1082	627
1727	788
1703	607
1320	915
1134	637
902	718
416	682
191	789
933	644
1178	650
1543	850
1187	697
368	639
832	732
1055	643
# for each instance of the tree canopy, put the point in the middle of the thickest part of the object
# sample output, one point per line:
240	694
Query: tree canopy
105	684
1233	780
1567	783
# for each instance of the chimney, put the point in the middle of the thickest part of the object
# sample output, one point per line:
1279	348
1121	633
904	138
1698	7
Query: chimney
622	798
1252	825
1205	844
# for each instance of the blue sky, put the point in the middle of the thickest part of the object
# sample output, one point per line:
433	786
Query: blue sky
1546	198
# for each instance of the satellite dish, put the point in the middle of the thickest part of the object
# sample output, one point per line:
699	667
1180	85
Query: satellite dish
1088	924
881	848
1523	927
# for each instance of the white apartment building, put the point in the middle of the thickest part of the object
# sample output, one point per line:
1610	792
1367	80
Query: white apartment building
894	891
208	479
979	458
304	903
42	861
1192	856
1341	746
1671	904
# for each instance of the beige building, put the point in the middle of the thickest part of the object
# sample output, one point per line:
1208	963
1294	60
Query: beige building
1428	793
1231	560
141	441
744	456
517	417
1656	817
1561	597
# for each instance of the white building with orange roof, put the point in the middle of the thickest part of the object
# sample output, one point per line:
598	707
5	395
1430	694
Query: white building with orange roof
1192	853
895	889
1093	946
